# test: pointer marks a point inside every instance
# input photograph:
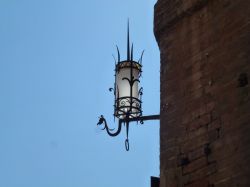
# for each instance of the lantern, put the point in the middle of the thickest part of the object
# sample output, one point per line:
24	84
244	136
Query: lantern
126	89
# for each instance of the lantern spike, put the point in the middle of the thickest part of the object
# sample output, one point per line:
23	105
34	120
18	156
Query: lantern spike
140	60
114	59
132	52
118	53
128	44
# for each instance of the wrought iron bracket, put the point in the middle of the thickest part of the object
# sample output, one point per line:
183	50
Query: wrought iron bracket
141	119
126	122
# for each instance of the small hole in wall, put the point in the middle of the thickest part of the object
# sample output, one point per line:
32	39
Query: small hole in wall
242	80
185	161
207	150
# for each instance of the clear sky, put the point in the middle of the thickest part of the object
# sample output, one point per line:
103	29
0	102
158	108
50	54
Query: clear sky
56	66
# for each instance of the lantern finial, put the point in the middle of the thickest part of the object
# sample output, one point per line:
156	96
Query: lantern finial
118	53
128	44
132	52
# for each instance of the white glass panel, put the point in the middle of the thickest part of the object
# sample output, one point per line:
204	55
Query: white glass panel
123	89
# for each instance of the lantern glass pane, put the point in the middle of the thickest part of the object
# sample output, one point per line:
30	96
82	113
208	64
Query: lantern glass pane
127	92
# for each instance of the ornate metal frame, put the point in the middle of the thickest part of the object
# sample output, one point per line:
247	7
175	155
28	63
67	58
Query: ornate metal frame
134	111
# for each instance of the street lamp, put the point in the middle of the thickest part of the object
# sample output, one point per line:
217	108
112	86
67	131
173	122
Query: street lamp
127	93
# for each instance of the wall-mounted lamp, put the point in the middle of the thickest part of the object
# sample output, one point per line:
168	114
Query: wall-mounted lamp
127	106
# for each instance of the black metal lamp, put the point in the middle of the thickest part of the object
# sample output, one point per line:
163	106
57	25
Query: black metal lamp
127	104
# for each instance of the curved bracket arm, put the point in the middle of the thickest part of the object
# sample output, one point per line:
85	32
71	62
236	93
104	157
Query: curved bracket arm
126	122
102	120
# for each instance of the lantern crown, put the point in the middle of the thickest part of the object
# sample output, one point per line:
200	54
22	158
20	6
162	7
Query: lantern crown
130	52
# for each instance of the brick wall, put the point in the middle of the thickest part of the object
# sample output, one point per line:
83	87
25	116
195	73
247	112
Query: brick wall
205	92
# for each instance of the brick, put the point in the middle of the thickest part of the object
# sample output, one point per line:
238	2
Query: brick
210	106
193	143
216	124
204	172
200	121
224	182
197	153
200	183
195	165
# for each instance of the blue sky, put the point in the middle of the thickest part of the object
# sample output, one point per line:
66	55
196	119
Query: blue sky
56	66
